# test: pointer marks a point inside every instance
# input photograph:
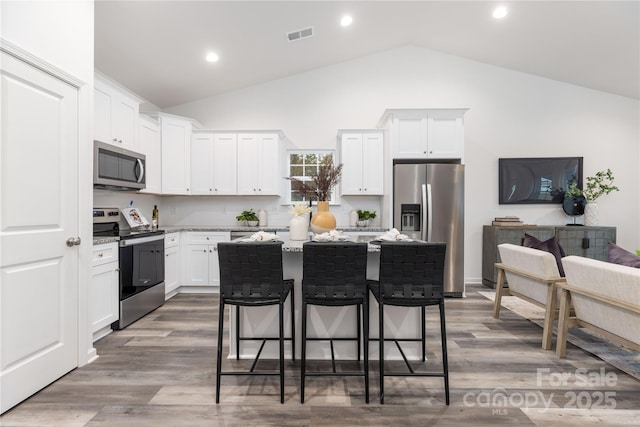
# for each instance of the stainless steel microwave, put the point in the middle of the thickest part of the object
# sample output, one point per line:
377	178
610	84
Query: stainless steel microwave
115	168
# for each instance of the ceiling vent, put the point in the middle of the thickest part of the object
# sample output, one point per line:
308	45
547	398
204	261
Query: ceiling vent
300	34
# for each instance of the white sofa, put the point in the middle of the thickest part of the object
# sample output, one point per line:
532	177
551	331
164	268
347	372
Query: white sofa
605	298
532	275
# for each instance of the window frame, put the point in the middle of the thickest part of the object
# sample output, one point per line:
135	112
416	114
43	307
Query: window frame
304	152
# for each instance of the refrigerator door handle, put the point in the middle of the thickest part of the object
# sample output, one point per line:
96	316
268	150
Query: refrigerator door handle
427	220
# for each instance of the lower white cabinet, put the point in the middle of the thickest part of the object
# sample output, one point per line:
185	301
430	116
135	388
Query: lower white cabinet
103	289
202	267
171	264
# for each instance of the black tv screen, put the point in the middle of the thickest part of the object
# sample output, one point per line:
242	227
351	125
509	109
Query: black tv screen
537	179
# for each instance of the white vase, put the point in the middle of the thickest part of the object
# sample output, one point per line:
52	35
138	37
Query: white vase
591	214
299	228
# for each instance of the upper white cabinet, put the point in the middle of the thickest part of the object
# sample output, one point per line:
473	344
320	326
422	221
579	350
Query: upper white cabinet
149	132
175	143
259	164
115	115
425	133
362	154
213	163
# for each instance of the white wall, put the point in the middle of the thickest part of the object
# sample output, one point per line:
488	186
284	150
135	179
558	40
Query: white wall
511	114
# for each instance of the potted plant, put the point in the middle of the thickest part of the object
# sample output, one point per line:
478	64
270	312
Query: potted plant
249	217
319	188
364	217
597	185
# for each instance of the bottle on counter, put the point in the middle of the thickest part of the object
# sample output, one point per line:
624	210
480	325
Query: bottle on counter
353	218
262	218
154	218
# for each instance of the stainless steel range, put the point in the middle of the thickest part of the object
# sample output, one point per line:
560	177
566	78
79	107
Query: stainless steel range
141	262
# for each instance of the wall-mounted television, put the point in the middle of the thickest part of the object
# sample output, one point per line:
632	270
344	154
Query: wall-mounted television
537	180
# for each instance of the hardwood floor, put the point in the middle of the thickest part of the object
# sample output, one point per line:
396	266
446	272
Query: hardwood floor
160	371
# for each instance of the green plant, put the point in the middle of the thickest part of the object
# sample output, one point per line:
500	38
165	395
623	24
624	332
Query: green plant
364	215
249	215
597	185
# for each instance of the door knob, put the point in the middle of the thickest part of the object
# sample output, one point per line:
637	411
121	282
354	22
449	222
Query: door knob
73	241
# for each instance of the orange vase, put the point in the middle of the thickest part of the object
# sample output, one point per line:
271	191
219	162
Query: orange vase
323	220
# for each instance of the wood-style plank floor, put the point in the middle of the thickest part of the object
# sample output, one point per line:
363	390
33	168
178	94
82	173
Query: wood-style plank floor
161	372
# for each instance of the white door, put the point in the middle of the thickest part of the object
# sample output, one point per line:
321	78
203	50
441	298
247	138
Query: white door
38	213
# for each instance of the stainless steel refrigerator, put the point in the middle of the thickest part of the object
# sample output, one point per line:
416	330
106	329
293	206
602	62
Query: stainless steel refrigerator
428	204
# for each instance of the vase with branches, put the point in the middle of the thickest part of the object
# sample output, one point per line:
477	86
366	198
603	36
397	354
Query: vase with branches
597	185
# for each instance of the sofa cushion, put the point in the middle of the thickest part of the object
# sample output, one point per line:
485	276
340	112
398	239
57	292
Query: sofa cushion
617	255
551	245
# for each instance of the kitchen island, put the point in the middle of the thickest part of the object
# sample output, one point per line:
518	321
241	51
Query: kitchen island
324	321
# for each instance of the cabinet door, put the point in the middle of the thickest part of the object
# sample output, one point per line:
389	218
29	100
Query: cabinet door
102	114
103	296
150	147
202	164
351	158
268	165
225	166
124	123
197	272
171	269
445	138
248	164
409	138
373	164
176	158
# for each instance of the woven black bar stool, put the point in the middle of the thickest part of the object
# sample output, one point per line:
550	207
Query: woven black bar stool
335	274
251	276
411	275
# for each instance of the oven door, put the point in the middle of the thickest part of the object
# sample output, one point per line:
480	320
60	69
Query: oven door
141	264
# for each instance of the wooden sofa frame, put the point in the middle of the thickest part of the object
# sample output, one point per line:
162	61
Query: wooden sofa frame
566	320
551	311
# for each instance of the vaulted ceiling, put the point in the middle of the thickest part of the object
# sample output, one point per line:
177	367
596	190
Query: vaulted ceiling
157	48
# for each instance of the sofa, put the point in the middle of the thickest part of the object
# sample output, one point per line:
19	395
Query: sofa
532	275
604	297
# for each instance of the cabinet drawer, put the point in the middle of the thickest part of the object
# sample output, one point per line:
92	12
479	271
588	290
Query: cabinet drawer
207	237
171	240
103	254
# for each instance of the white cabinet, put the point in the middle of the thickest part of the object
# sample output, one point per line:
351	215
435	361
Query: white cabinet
213	163
202	266
150	146
259	170
115	115
425	133
103	289
171	264
362	154
175	141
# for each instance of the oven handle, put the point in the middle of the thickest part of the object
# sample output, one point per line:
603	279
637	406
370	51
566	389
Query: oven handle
137	240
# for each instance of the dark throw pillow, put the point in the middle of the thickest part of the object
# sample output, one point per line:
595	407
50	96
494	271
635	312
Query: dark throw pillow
617	255
552	246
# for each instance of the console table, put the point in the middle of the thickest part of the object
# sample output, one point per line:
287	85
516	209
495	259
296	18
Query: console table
589	242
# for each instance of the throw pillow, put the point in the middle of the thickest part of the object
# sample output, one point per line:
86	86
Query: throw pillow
617	255
552	246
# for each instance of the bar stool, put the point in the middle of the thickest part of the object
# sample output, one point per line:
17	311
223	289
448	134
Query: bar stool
411	275
335	274
251	276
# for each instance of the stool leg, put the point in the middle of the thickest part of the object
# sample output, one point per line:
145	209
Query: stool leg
303	356
293	324
424	334
358	323
381	335
237	332
365	327
281	330
219	360
445	361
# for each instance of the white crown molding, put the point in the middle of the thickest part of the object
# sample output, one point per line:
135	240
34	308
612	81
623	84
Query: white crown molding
25	56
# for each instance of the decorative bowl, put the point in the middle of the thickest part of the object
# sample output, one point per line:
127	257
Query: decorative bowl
252	223
362	222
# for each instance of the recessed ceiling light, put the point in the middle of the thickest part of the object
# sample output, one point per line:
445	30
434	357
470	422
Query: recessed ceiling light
500	12
346	21
212	57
